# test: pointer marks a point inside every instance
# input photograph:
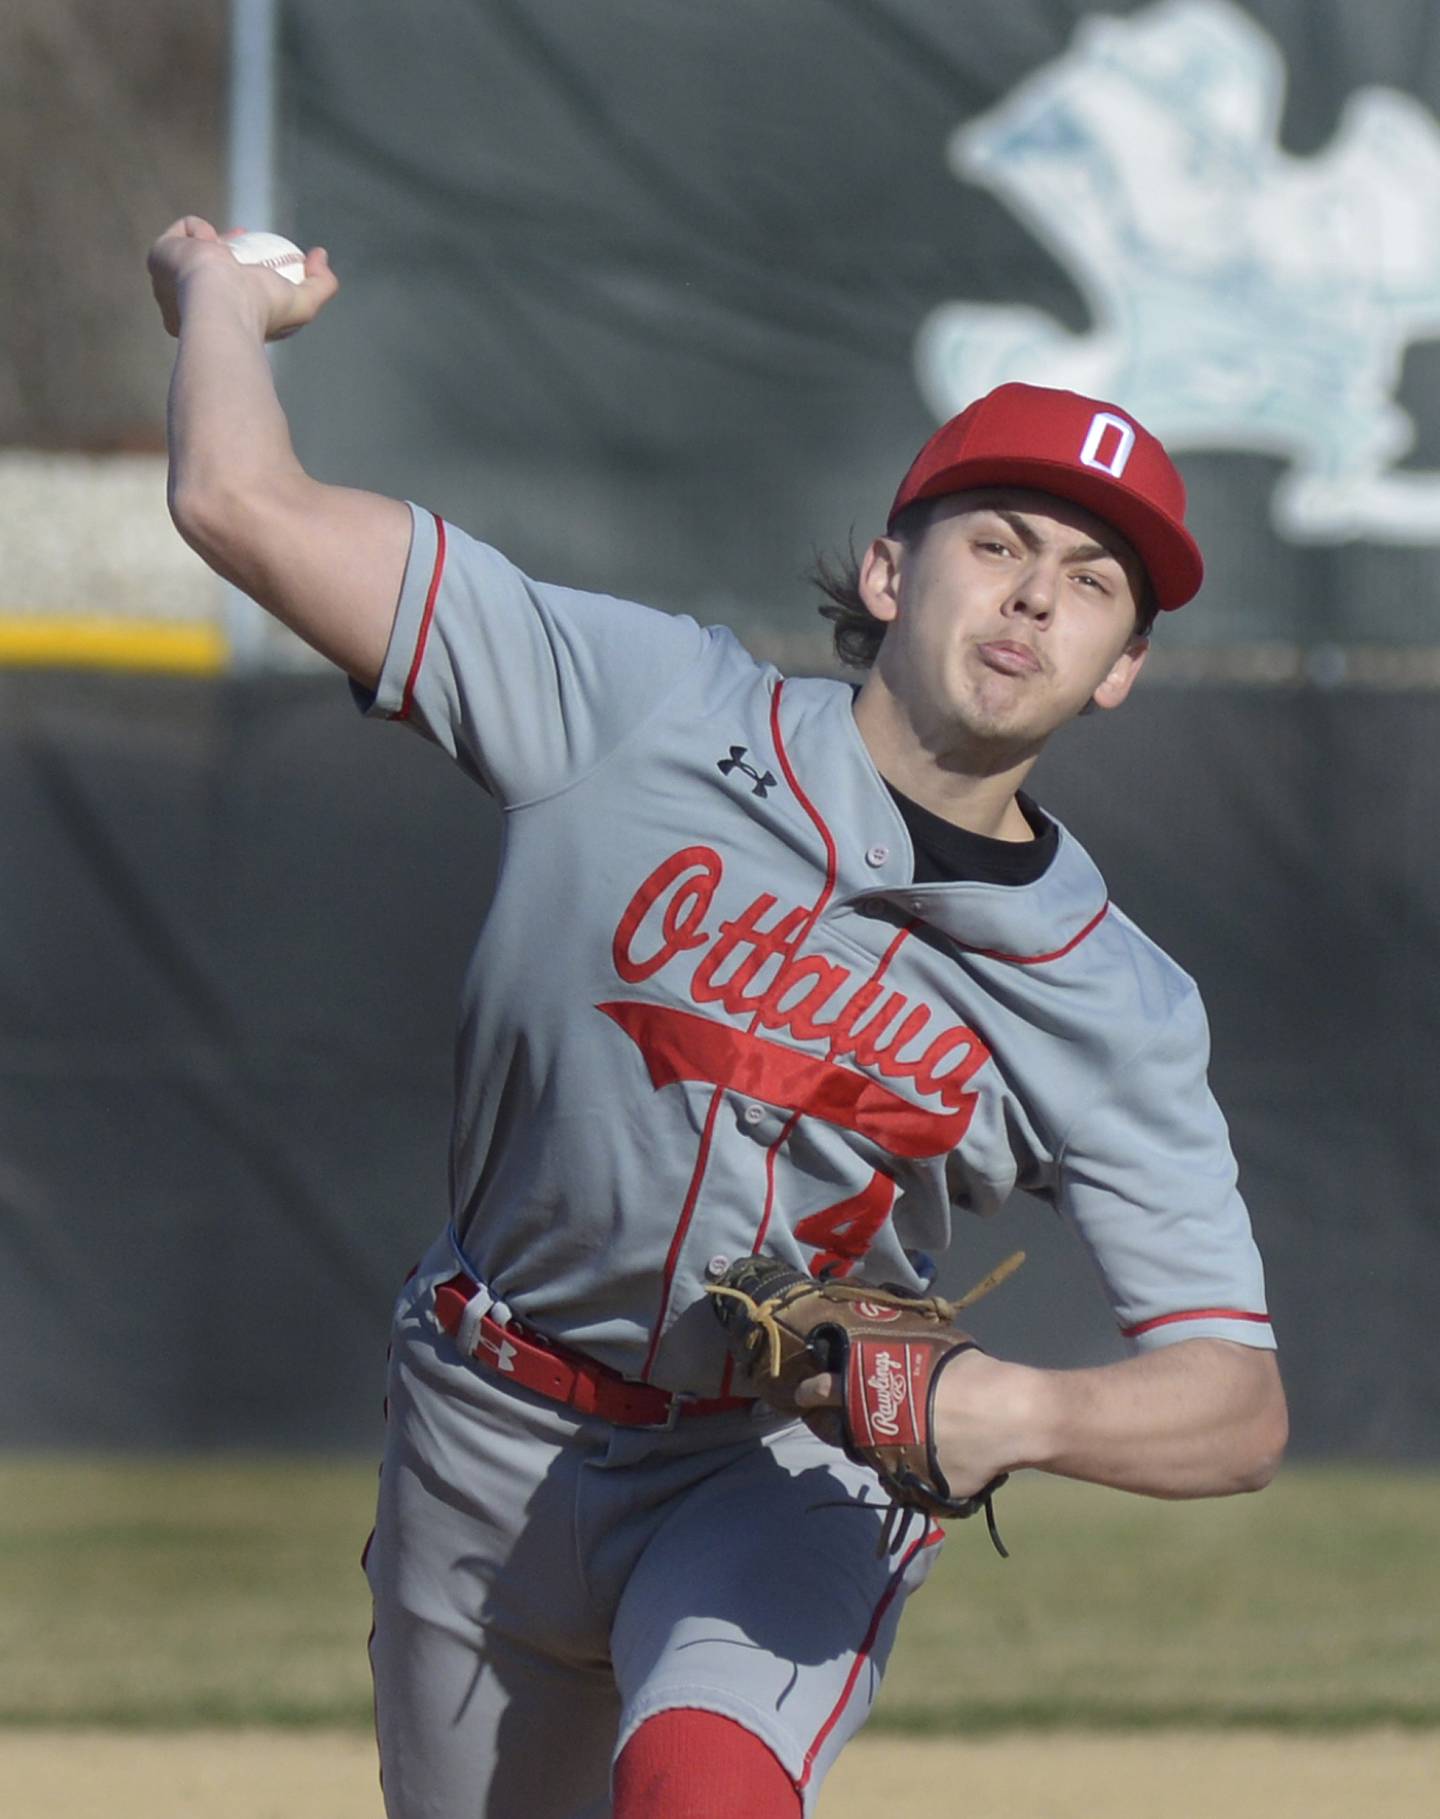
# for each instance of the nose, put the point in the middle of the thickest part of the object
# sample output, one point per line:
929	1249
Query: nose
1033	596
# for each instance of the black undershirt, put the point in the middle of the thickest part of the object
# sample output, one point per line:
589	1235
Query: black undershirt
946	854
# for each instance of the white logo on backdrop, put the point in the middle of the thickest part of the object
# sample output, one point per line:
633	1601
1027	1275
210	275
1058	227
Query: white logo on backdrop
1242	298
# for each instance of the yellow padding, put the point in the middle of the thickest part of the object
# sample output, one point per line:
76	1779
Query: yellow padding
191	648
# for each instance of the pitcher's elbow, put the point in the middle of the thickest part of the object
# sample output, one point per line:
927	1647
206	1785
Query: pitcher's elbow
231	527
198	514
1272	1435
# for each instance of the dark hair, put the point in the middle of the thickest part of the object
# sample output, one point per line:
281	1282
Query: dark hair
858	633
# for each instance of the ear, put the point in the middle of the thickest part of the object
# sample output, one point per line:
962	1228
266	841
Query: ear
879	578
1123	674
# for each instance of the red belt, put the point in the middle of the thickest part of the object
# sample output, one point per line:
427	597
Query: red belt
565	1376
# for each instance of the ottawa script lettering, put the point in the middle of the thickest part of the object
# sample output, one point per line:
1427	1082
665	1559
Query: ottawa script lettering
749	965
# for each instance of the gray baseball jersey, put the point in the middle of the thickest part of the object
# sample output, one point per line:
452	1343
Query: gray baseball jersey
710	1014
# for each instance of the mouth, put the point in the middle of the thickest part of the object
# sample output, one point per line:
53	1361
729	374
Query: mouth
1009	657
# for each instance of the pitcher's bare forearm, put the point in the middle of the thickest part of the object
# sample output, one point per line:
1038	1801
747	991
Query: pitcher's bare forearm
227	433
1201	1419
1205	1418
326	560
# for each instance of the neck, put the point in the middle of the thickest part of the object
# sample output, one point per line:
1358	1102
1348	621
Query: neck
970	782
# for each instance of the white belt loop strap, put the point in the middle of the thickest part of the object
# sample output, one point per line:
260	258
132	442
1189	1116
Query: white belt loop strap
482	1304
467	1334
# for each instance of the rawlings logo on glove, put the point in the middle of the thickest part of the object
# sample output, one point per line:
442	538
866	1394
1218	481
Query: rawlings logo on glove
885	1351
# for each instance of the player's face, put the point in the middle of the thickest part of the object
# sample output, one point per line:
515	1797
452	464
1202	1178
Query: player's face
1013	612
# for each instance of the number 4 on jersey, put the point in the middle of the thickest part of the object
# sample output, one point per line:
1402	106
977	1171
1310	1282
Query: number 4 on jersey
844	1232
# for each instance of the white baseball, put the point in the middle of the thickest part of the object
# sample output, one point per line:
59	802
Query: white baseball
273	251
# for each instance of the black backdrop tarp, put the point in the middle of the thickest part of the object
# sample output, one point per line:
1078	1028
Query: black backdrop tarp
634	289
236	917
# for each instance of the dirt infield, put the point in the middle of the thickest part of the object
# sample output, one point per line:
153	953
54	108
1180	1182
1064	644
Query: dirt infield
1185	1775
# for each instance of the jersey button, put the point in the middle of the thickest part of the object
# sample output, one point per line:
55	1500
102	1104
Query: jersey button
717	1267
753	1114
877	855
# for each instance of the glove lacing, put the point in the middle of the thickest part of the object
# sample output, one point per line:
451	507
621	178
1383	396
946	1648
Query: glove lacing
765	1328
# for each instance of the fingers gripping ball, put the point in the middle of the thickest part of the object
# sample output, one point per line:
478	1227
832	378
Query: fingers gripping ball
886	1352
273	251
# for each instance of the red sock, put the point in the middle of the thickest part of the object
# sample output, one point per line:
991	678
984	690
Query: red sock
685	1764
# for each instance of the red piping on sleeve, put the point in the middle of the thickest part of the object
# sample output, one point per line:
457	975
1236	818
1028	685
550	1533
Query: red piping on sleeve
407	700
1194	1313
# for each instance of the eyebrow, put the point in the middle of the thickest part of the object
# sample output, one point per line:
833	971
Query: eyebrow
1080	552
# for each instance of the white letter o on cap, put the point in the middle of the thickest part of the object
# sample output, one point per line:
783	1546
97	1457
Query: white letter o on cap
1125	433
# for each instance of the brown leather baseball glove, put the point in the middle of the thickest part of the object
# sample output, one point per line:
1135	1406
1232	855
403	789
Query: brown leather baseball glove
886	1351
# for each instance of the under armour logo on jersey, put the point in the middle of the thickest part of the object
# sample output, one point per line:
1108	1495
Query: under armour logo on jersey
763	780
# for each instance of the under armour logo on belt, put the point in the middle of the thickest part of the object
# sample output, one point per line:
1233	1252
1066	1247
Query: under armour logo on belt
503	1350
762	780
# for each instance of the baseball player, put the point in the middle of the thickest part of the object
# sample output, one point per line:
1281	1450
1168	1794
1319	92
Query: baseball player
774	968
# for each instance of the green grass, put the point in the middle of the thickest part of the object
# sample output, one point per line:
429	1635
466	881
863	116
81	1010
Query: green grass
227	1591
183	1592
1315	1604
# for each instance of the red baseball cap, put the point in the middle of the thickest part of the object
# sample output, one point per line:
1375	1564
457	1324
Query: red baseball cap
1079	449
